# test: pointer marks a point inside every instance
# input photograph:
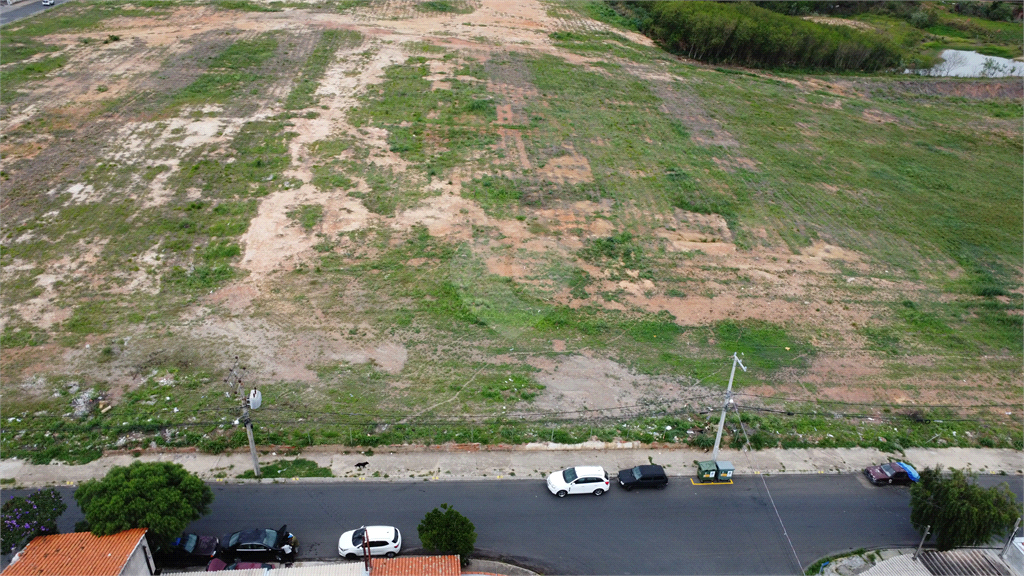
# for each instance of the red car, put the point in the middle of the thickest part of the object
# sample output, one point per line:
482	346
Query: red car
892	473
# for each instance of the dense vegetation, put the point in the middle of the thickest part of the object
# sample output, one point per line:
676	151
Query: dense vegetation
749	35
913	34
958	512
160	496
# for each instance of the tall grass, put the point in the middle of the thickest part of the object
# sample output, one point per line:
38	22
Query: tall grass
745	34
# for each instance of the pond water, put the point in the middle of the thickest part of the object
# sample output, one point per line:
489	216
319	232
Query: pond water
965	64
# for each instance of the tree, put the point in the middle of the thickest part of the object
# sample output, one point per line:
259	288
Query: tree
24	518
160	496
445	530
960	512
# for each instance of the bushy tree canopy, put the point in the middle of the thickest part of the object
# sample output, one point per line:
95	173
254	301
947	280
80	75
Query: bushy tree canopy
960	512
445	530
160	496
28	517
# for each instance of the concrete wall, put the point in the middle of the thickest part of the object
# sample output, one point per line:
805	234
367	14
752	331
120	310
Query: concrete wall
140	563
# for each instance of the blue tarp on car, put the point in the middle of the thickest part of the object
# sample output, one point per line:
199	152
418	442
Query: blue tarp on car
910	471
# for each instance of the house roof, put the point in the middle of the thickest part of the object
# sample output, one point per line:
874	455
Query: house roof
76	554
417	566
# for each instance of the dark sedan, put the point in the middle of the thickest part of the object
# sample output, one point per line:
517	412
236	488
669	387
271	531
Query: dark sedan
646	476
891	473
189	550
260	544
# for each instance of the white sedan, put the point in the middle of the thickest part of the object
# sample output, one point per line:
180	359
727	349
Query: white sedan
384	541
578	480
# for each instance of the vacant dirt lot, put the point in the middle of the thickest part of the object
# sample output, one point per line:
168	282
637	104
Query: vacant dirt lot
107	107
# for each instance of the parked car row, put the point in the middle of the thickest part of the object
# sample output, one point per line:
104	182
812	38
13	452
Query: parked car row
253	548
594	480
236	551
248	548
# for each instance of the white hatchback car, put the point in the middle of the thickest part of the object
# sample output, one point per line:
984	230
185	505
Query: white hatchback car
384	541
578	480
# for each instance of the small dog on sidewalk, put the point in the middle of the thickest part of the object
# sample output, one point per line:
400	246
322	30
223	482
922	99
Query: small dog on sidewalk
361	465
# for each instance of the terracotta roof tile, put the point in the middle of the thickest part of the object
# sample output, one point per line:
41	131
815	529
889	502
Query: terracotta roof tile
417	566
76	554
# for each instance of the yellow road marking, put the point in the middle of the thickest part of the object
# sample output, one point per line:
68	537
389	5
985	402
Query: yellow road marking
709	483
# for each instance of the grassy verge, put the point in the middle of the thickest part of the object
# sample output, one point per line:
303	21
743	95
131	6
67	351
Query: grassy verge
297	468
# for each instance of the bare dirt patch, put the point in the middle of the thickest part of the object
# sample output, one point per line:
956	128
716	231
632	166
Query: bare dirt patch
840	22
580	382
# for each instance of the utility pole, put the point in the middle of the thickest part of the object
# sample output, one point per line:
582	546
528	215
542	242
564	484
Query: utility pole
234	381
367	560
248	430
923	538
728	400
1010	539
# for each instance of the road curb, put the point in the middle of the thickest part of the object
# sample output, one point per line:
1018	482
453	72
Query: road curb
453	463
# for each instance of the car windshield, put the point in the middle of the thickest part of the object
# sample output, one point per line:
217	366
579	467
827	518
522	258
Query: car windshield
270	539
569	475
397	536
357	537
234	539
636	472
190	543
888	469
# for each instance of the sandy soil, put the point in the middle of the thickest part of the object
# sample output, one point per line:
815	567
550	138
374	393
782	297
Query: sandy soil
783	286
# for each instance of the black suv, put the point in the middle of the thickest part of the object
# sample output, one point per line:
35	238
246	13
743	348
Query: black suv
647	476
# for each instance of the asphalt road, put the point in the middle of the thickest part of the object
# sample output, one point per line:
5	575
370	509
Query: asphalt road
759	525
21	10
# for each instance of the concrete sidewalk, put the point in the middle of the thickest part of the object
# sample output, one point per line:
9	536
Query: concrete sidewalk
476	462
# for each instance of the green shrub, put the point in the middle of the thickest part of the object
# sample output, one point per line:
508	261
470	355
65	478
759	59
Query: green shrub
704	441
745	34
213	445
445	530
297	468
24	518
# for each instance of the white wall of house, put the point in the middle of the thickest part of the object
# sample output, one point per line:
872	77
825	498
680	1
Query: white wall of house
140	563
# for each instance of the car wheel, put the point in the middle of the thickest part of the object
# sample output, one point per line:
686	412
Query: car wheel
390	554
628	488
561	493
663	486
598	492
350	556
